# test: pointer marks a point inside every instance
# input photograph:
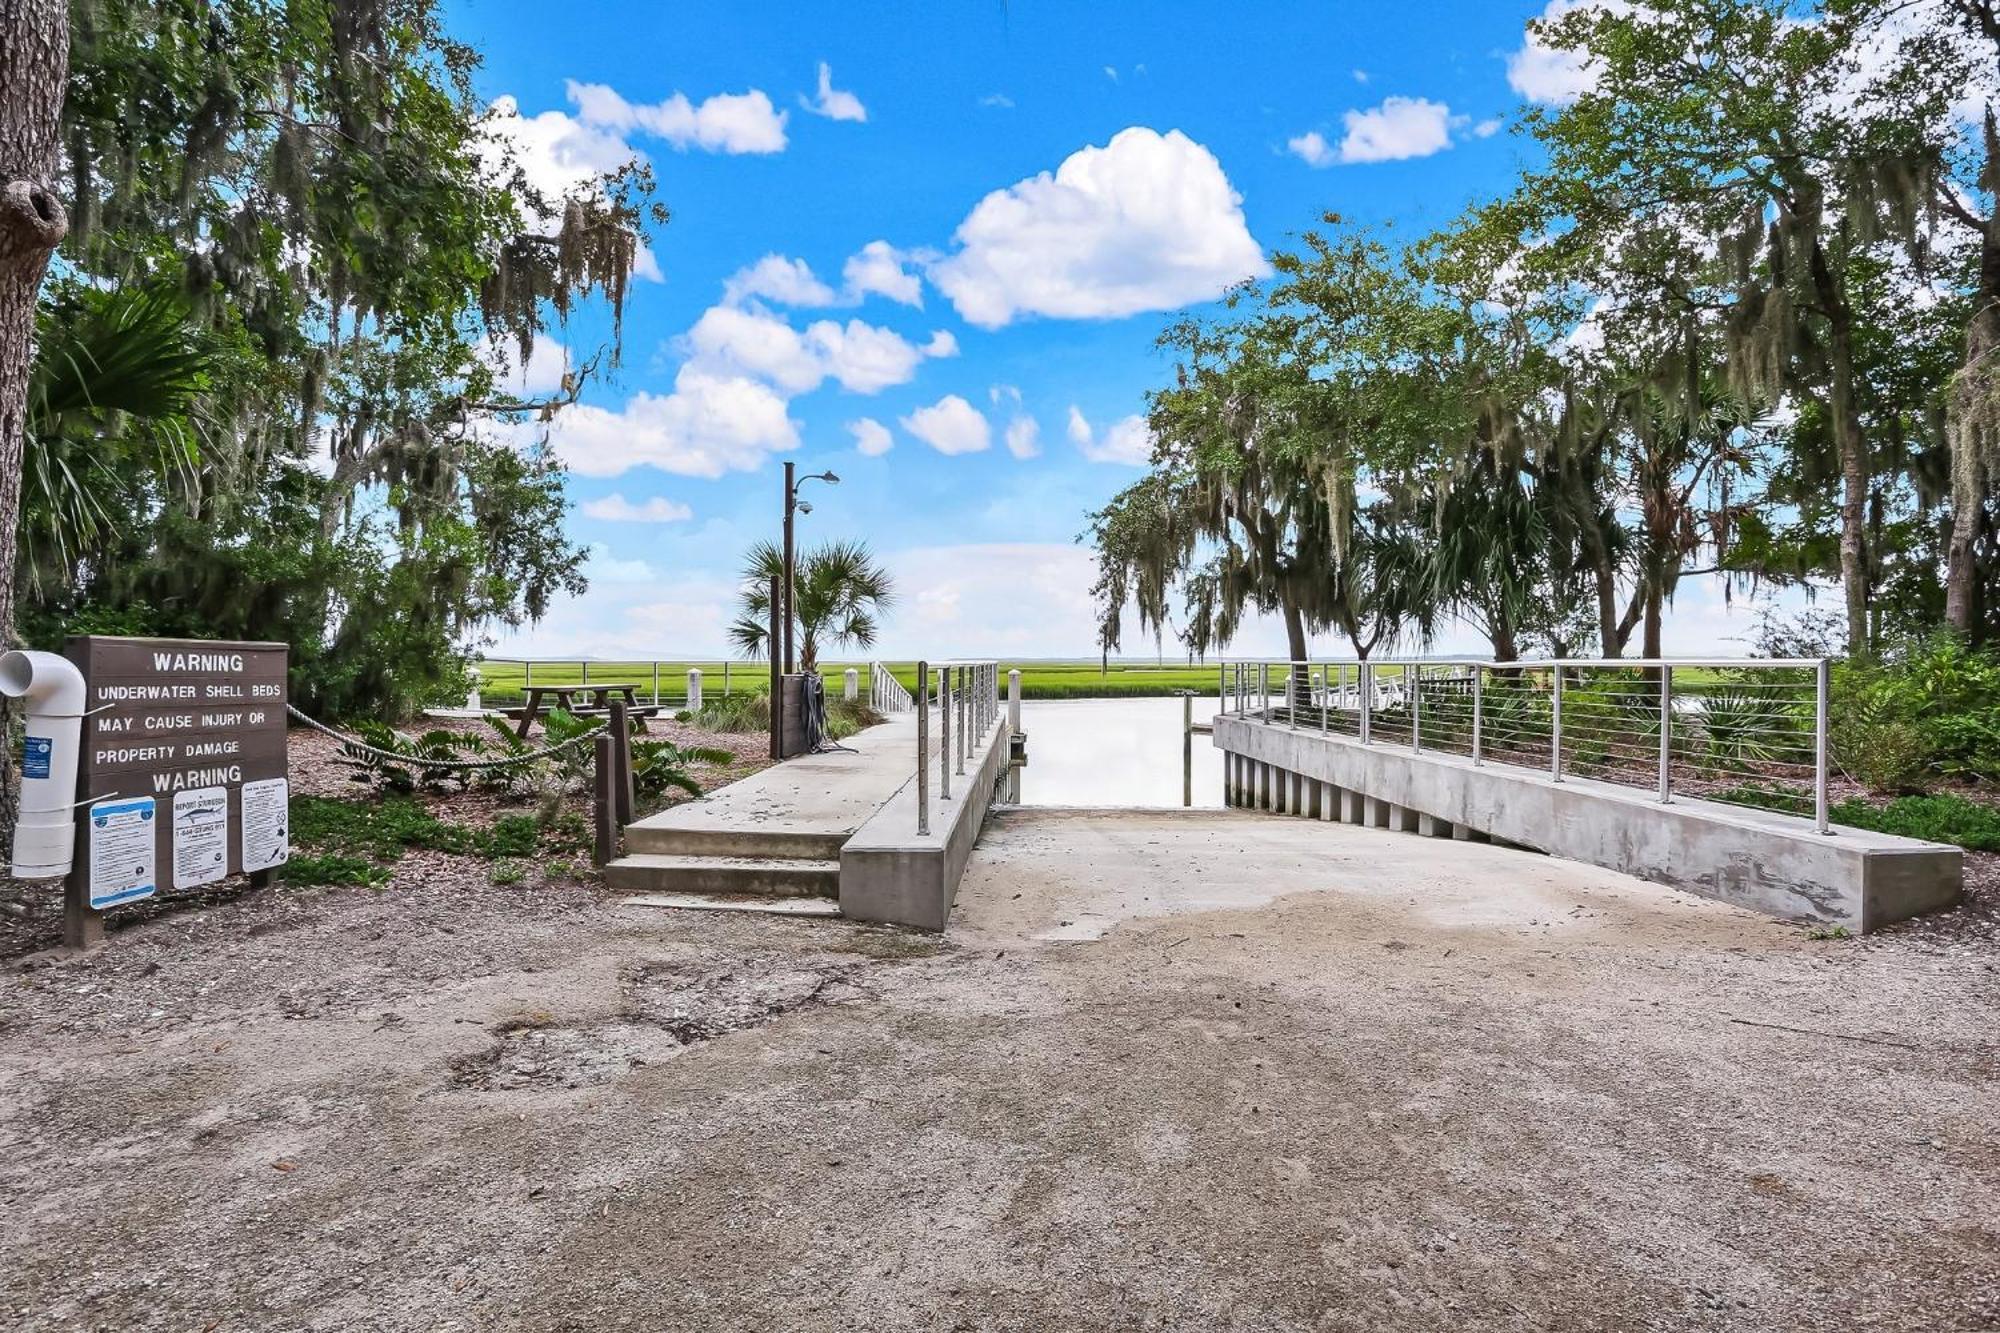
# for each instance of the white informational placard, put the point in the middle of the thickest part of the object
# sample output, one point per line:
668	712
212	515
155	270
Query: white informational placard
121	851
201	836
266	823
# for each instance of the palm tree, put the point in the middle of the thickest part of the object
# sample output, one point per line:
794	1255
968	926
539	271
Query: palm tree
840	591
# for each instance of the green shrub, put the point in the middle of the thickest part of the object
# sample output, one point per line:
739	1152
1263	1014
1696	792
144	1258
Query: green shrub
1942	818
1930	710
385	829
732	713
844	717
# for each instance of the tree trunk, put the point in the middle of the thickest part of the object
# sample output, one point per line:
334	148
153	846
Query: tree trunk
1298	678
1853	477
1604	577
1500	630
1973	408
34	69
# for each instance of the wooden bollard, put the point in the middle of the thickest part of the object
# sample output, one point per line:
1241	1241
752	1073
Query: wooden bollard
602	805
624	799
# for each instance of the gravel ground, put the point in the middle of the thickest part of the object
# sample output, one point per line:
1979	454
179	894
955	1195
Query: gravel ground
1187	1072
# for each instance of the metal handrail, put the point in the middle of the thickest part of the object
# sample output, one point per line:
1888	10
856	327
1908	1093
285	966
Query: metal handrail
970	688
1322	685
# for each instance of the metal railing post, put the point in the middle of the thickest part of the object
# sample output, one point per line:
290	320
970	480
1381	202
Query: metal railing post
1666	734
1013	730
1367	678
923	747
1326	697
1416	692
656	684
964	717
1822	692
944	733
1478	709
1556	727
1292	695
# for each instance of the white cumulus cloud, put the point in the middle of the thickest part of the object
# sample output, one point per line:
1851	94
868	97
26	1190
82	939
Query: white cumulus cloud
1146	222
876	269
1312	149
617	509
832	102
604	567
776	278
1548	74
871	437
1023	437
725	123
1127	441
709	425
862	357
879	269
951	426
1401	127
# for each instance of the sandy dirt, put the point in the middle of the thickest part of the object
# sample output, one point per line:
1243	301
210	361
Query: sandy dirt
1204	1072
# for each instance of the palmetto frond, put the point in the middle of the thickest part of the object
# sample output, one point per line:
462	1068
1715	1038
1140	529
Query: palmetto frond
839	590
120	375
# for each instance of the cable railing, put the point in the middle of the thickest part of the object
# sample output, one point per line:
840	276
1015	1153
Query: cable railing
965	693
1744	731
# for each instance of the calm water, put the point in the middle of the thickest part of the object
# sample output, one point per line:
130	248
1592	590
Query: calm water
1101	752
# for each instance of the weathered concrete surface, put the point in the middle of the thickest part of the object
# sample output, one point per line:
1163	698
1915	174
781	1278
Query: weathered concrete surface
804	807
1770	862
890	873
1315	1078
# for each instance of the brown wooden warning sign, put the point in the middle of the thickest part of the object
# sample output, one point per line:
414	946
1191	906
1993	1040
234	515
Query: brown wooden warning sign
183	739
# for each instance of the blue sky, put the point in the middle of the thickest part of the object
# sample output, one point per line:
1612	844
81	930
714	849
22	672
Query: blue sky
959	242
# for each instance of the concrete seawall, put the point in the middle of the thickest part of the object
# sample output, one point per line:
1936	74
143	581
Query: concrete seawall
891	873
1770	862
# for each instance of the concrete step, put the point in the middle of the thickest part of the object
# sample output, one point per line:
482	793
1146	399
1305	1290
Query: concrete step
736	902
768	876
751	841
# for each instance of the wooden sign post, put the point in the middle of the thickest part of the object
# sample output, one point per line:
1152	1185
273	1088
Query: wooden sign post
184	773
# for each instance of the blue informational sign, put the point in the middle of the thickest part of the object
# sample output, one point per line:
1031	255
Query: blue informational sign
35	757
121	852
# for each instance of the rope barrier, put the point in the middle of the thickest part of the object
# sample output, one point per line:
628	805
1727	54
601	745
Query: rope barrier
352	743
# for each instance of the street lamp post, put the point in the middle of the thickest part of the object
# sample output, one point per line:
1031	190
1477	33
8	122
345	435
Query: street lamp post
794	505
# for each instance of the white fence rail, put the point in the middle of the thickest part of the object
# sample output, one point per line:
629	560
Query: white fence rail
1746	731
885	693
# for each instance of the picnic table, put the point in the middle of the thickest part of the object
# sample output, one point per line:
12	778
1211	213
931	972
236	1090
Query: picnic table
565	698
